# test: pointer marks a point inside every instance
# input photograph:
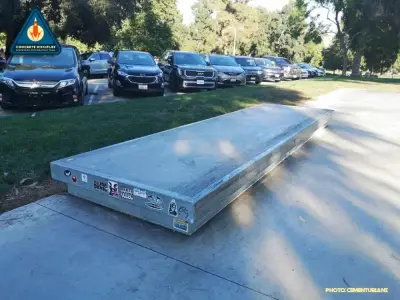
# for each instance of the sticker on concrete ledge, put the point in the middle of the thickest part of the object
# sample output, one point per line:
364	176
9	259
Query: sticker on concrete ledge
126	193
140	193
113	189
173	209
100	186
181	225
154	202
84	178
183	213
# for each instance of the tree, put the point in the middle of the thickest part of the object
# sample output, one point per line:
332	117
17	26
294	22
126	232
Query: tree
204	30
337	8
156	28
332	56
88	21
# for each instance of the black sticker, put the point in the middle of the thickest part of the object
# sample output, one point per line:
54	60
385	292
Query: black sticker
100	186
173	209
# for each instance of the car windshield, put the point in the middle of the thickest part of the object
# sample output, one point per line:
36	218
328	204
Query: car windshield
65	59
244	61
189	59
222	61
282	61
264	62
135	58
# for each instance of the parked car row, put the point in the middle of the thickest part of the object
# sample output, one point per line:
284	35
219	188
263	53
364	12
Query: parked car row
60	80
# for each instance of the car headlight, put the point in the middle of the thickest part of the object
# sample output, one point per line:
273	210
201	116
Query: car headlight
122	73
259	72
287	69
8	81
221	74
64	83
179	71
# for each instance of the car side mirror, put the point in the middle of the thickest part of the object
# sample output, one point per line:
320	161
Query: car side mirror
160	64
208	63
169	61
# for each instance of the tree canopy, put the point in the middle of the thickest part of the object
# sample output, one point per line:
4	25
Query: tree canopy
365	30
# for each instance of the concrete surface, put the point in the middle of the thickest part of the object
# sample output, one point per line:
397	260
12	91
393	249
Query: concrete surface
327	218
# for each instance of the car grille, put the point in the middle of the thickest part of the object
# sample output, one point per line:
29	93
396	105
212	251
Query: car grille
232	73
142	79
199	73
36	84
252	72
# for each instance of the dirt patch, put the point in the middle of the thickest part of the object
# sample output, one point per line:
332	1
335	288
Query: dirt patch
21	195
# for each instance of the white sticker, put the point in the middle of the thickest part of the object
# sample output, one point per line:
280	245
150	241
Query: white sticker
173	209
140	193
84	178
126	193
181	225
154	202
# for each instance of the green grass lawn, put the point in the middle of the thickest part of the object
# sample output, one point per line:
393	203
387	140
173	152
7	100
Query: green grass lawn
28	144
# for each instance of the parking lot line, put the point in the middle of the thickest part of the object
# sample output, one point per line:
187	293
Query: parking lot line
93	94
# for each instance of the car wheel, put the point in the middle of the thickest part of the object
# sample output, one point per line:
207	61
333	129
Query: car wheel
116	90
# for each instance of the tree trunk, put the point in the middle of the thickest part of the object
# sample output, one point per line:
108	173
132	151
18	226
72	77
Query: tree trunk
344	51
9	41
355	70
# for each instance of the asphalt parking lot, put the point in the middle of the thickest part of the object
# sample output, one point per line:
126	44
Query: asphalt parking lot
98	93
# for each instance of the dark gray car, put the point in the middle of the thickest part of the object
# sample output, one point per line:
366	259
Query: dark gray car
229	72
253	72
97	62
271	71
290	70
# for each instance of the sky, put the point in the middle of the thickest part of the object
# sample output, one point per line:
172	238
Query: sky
185	6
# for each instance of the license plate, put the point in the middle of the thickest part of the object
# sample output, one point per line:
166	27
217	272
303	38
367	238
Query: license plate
200	82
233	80
276	75
143	87
253	78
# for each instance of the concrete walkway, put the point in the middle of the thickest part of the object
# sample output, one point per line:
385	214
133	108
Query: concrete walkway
327	218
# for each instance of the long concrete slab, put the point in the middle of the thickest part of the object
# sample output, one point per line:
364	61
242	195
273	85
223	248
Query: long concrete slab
328	217
183	177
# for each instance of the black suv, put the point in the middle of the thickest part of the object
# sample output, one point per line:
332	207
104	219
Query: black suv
290	71
187	70
253	72
44	80
134	71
